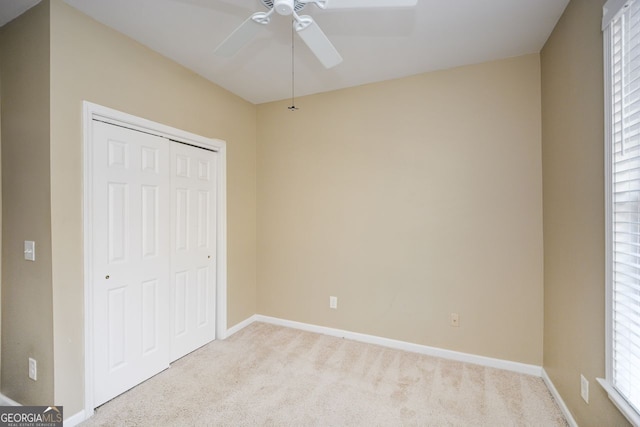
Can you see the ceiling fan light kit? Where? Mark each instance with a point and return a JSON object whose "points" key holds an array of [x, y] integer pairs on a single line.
{"points": [[305, 26]]}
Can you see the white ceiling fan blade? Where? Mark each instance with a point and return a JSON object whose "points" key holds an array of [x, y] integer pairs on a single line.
{"points": [[353, 4], [242, 35], [317, 41]]}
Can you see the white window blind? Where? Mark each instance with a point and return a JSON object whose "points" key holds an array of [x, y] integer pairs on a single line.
{"points": [[622, 51]]}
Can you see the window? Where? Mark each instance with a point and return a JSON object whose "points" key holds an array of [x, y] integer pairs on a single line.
{"points": [[621, 25]]}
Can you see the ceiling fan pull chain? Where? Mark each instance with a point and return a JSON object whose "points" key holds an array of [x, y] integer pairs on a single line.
{"points": [[293, 70]]}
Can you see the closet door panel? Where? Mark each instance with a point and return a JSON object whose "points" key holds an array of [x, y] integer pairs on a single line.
{"points": [[130, 258], [193, 225]]}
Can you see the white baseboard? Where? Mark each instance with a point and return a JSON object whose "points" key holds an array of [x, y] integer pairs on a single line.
{"points": [[240, 326], [507, 365], [554, 392], [5, 401], [74, 420]]}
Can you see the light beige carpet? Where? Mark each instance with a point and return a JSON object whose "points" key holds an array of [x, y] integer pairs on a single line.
{"points": [[275, 376]]}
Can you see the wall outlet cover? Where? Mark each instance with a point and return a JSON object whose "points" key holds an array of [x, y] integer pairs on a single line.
{"points": [[455, 320], [33, 369], [584, 388]]}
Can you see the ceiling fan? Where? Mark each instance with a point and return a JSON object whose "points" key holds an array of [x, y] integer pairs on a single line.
{"points": [[304, 25]]}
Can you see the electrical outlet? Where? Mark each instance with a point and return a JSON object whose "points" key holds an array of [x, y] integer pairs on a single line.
{"points": [[333, 303], [455, 320], [33, 369], [584, 388]]}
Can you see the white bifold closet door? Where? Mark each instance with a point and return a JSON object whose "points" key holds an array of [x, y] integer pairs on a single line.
{"points": [[153, 255]]}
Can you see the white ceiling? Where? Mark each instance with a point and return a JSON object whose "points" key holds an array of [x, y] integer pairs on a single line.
{"points": [[10, 9], [376, 45]]}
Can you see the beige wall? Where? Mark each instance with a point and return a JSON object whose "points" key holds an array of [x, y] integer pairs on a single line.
{"points": [[573, 174], [409, 200], [92, 62], [26, 286]]}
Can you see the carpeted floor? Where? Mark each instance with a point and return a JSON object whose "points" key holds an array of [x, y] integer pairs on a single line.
{"points": [[275, 376]]}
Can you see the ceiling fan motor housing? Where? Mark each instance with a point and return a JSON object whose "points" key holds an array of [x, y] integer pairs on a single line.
{"points": [[284, 7]]}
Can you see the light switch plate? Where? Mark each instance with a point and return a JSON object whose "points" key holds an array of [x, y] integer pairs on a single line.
{"points": [[333, 303], [29, 250]]}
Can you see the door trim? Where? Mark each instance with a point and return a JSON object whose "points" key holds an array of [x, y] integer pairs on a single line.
{"points": [[93, 111]]}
